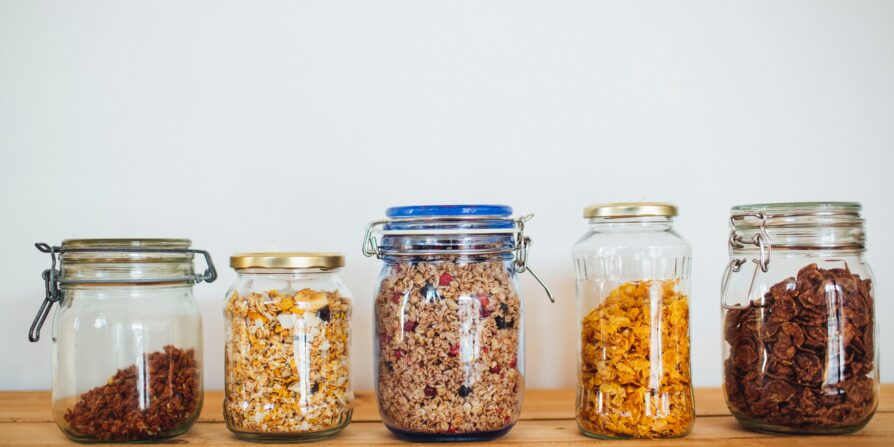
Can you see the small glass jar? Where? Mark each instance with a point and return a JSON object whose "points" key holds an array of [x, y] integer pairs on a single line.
{"points": [[127, 338], [799, 348], [288, 338], [634, 378], [449, 321]]}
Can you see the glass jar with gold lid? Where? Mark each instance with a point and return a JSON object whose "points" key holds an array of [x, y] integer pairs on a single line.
{"points": [[632, 269], [288, 337], [127, 337]]}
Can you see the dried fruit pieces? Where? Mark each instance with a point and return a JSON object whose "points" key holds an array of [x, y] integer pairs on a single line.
{"points": [[287, 365], [635, 376], [802, 357], [127, 408], [448, 365]]}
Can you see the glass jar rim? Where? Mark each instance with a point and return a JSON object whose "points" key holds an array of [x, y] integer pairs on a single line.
{"points": [[782, 209]]}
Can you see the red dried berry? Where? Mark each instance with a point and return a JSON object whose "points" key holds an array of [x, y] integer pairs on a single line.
{"points": [[514, 362], [454, 351], [451, 430], [445, 279], [396, 297], [384, 338], [495, 369], [485, 349], [398, 353], [410, 326], [430, 392], [484, 300]]}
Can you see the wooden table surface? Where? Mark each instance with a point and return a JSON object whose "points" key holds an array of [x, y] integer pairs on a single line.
{"points": [[547, 419]]}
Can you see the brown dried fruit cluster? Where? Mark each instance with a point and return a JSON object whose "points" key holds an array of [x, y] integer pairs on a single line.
{"points": [[127, 409], [448, 359], [803, 357], [287, 363], [635, 376]]}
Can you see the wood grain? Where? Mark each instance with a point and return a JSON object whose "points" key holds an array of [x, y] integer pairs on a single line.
{"points": [[547, 418]]}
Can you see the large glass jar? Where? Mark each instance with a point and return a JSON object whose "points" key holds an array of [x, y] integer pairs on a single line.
{"points": [[634, 378], [449, 321], [799, 327], [127, 338], [288, 338]]}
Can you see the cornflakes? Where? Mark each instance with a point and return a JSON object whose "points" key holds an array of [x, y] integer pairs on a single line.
{"points": [[287, 365], [635, 378]]}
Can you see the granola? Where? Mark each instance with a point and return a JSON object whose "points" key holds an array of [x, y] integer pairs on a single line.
{"points": [[803, 357], [635, 376], [287, 365], [449, 336]]}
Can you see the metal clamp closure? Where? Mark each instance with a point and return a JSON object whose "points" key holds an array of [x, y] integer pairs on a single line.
{"points": [[759, 239], [52, 282], [372, 248]]}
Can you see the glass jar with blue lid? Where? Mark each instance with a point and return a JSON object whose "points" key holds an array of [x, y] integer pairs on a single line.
{"points": [[449, 320]]}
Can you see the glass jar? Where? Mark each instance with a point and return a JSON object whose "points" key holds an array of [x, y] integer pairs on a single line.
{"points": [[449, 321], [799, 328], [127, 338], [634, 378], [288, 337]]}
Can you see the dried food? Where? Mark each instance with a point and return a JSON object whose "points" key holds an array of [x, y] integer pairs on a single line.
{"points": [[447, 365], [814, 333], [635, 376], [128, 409], [287, 366]]}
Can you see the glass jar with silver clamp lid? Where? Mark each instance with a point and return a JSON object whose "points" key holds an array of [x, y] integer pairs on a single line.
{"points": [[449, 320], [127, 337], [799, 348]]}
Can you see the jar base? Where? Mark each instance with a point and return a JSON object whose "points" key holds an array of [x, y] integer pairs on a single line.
{"points": [[286, 438], [783, 430], [450, 437]]}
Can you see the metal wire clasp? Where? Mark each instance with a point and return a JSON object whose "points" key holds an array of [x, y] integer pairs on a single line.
{"points": [[52, 282], [371, 246], [759, 239]]}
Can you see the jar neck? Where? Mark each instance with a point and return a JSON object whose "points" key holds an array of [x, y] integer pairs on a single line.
{"points": [[799, 229], [633, 224], [88, 262]]}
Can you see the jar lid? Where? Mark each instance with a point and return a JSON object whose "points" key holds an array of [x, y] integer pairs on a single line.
{"points": [[630, 209], [783, 209], [287, 260]]}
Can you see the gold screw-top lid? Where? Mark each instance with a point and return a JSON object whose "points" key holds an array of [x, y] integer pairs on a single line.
{"points": [[287, 260], [630, 209]]}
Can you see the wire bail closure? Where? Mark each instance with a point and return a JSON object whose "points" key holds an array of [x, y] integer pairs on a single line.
{"points": [[372, 248], [52, 281], [760, 239]]}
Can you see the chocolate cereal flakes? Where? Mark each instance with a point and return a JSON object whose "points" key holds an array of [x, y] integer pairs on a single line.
{"points": [[157, 399], [803, 356], [635, 378], [448, 339]]}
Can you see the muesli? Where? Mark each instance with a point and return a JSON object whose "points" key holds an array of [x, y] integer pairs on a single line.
{"points": [[448, 347], [287, 365]]}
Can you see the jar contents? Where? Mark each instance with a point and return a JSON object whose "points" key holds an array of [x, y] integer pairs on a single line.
{"points": [[287, 358], [635, 378], [449, 343], [127, 409], [803, 355]]}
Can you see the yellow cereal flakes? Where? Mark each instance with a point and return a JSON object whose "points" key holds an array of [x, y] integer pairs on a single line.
{"points": [[635, 378]]}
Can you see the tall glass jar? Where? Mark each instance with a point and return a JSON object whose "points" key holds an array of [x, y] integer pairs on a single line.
{"points": [[127, 338], [449, 321], [632, 269], [288, 339], [799, 327]]}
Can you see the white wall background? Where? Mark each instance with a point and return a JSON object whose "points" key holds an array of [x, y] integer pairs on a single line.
{"points": [[245, 124]]}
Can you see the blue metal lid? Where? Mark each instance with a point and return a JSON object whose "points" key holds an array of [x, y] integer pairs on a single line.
{"points": [[402, 212]]}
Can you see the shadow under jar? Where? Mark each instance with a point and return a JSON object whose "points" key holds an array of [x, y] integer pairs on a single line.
{"points": [[799, 327], [127, 338], [634, 374], [449, 321], [288, 339]]}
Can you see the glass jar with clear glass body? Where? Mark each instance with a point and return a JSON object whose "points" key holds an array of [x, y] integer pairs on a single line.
{"points": [[288, 338], [799, 327], [634, 378], [127, 338], [449, 321]]}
